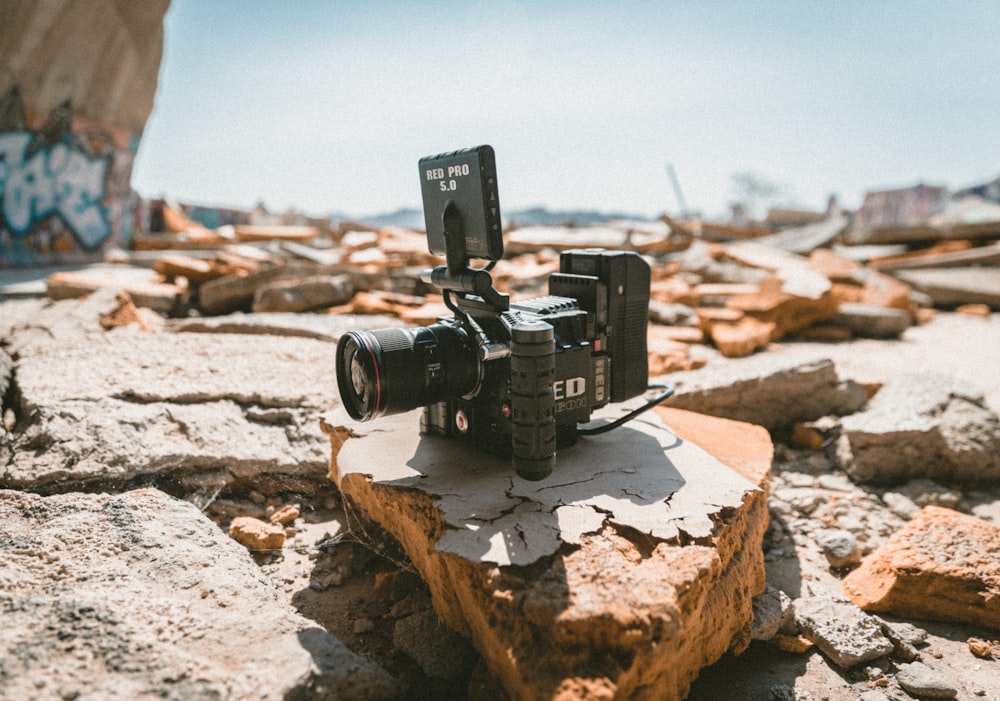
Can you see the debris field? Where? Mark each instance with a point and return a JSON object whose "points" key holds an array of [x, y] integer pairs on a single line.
{"points": [[815, 514]]}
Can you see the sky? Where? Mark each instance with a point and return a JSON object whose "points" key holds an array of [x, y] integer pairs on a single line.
{"points": [[326, 106]]}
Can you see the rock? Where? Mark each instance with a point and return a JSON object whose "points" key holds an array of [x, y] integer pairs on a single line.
{"points": [[840, 548], [841, 630], [256, 534], [122, 596], [437, 649], [742, 337], [873, 695], [304, 294], [285, 515], [772, 610], [608, 577], [6, 375], [905, 637], [939, 566], [980, 648], [121, 404], [872, 321], [768, 390], [921, 426], [794, 644], [920, 680]]}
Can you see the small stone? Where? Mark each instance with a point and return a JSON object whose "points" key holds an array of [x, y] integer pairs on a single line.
{"points": [[840, 548], [256, 534], [873, 673], [363, 625], [980, 648], [795, 644], [285, 515], [919, 679], [770, 611], [786, 692], [873, 695], [844, 633], [900, 505]]}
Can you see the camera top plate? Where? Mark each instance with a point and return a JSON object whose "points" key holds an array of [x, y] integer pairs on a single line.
{"points": [[467, 181]]}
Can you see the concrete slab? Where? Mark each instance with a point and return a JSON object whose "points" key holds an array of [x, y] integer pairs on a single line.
{"points": [[953, 286], [621, 575]]}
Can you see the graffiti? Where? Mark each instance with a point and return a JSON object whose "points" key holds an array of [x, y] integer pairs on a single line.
{"points": [[64, 185], [52, 180]]}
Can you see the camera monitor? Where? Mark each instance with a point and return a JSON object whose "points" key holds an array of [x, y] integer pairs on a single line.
{"points": [[461, 204]]}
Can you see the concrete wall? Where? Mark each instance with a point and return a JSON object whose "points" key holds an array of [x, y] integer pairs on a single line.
{"points": [[77, 82]]}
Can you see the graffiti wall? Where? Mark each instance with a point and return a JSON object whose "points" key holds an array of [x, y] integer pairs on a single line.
{"points": [[77, 84], [64, 186]]}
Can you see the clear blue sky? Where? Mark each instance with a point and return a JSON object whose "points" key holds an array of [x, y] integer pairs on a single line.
{"points": [[327, 106]]}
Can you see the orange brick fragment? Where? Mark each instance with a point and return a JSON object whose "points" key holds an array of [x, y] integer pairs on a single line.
{"points": [[974, 309], [742, 338], [256, 534]]}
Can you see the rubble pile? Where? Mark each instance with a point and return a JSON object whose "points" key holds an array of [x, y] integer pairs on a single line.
{"points": [[813, 515], [734, 289]]}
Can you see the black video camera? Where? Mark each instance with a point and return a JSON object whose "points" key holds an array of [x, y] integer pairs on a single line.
{"points": [[513, 378]]}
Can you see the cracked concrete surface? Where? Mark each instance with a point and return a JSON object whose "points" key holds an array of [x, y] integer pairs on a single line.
{"points": [[646, 479]]}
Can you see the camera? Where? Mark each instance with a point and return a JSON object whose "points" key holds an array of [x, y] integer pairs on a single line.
{"points": [[514, 378]]}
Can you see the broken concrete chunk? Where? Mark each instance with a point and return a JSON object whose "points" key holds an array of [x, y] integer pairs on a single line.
{"points": [[922, 426], [121, 596], [120, 404], [626, 561], [300, 295], [844, 633], [767, 390], [939, 566]]}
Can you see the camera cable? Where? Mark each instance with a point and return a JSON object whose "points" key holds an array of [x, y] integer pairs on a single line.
{"points": [[668, 391]]}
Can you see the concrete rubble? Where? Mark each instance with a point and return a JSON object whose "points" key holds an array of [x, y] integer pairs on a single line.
{"points": [[454, 578], [942, 563]]}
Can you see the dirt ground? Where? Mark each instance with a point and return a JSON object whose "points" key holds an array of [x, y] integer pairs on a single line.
{"points": [[359, 586]]}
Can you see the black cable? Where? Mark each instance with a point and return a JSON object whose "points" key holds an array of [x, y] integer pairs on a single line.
{"points": [[604, 428]]}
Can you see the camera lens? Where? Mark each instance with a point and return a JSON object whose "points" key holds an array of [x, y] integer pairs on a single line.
{"points": [[390, 371]]}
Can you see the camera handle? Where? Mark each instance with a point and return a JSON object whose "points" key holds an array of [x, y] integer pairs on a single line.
{"points": [[532, 371], [458, 277]]}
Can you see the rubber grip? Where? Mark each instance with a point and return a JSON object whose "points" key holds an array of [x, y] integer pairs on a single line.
{"points": [[532, 372]]}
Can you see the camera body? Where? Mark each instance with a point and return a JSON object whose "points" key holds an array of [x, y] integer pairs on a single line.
{"points": [[512, 378]]}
